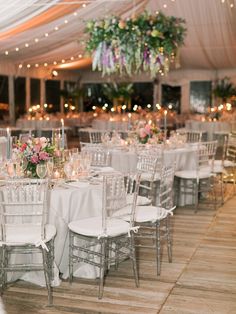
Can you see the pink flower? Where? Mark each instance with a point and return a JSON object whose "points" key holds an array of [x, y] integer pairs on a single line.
{"points": [[34, 159], [37, 148], [43, 156], [148, 129]]}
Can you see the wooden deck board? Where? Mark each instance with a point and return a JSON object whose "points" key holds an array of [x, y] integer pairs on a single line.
{"points": [[200, 280]]}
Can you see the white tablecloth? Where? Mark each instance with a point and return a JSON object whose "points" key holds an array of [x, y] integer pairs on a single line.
{"points": [[125, 161], [110, 125], [209, 127], [68, 204], [38, 124]]}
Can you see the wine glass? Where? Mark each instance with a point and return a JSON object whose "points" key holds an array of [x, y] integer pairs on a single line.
{"points": [[23, 163], [41, 170], [68, 169], [11, 168], [50, 166]]}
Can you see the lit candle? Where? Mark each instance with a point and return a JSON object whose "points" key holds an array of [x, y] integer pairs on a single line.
{"points": [[8, 143], [62, 134], [56, 174], [129, 120], [165, 123]]}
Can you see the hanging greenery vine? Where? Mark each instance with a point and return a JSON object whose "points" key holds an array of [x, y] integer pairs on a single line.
{"points": [[144, 43]]}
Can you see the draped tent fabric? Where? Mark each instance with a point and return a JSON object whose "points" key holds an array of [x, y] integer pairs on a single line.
{"points": [[210, 42]]}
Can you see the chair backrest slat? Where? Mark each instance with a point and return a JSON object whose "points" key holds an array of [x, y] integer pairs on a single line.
{"points": [[23, 203]]}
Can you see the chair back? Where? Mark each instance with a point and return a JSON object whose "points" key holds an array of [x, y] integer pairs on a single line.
{"points": [[3, 132], [166, 196], [24, 137], [95, 136], [231, 149], [206, 154], [23, 205], [100, 157], [3, 147], [194, 136], [115, 189], [150, 161], [149, 164]]}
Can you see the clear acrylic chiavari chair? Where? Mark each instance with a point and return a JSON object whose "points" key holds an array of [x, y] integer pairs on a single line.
{"points": [[105, 240], [24, 230]]}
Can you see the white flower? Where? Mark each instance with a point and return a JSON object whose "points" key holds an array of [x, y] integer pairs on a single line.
{"points": [[43, 142]]}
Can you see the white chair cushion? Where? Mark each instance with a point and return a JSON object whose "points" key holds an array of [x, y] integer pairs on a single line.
{"points": [[193, 174], [229, 163], [28, 235], [149, 213], [141, 200], [226, 163], [92, 227], [145, 214], [148, 177]]}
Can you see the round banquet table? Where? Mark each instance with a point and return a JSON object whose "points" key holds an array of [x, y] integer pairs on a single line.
{"points": [[68, 204], [210, 127], [110, 125], [126, 161]]}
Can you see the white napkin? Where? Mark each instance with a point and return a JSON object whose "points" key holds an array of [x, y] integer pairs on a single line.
{"points": [[77, 184]]}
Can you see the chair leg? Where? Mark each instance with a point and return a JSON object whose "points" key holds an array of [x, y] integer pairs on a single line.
{"points": [[47, 277], [50, 258], [71, 240], [196, 194], [169, 243], [2, 271], [4, 263], [134, 259], [158, 247], [102, 266]]}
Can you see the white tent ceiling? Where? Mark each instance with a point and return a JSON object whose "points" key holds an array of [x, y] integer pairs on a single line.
{"points": [[45, 32]]}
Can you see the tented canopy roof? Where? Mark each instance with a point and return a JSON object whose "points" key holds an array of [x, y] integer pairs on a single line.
{"points": [[45, 32]]}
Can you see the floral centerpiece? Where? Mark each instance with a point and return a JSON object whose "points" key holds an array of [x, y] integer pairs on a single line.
{"points": [[34, 151], [142, 43], [148, 133]]}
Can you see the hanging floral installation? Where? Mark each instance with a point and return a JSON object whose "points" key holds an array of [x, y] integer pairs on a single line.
{"points": [[143, 43]]}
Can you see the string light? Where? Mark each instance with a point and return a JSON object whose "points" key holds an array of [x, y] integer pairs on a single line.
{"points": [[45, 35]]}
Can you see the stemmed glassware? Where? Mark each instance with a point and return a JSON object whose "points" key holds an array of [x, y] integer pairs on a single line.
{"points": [[41, 170], [50, 166], [68, 169]]}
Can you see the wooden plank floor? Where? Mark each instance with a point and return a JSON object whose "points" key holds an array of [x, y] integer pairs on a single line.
{"points": [[201, 279]]}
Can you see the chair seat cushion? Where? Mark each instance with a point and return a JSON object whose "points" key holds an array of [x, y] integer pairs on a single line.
{"points": [[144, 213], [229, 163], [141, 200], [145, 176], [92, 227], [150, 213], [193, 174], [28, 235]]}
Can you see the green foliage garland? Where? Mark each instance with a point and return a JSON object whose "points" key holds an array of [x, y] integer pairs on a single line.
{"points": [[144, 43]]}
